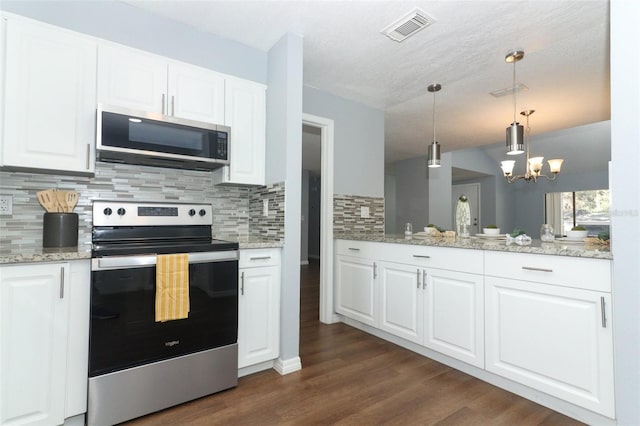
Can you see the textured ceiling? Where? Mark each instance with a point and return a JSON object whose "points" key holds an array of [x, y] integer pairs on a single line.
{"points": [[566, 63]]}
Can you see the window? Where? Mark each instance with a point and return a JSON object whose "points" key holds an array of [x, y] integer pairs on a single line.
{"points": [[590, 209]]}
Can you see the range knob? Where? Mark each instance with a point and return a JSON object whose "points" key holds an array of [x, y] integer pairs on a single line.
{"points": [[107, 211], [192, 212], [121, 211], [202, 212]]}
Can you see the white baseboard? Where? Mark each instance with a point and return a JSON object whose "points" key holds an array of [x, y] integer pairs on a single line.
{"points": [[256, 368], [286, 366], [304, 262]]}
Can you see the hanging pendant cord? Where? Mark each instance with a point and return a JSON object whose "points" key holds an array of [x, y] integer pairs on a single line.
{"points": [[434, 117], [514, 90]]}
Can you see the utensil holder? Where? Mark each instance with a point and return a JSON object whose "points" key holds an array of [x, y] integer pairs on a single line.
{"points": [[60, 230]]}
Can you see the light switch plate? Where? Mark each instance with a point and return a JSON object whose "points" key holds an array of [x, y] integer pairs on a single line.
{"points": [[6, 204], [364, 212], [265, 207]]}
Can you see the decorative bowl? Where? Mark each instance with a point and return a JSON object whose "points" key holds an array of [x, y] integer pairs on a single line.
{"points": [[491, 231], [577, 235]]}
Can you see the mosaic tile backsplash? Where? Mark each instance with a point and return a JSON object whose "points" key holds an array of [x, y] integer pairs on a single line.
{"points": [[270, 226], [346, 215], [231, 204]]}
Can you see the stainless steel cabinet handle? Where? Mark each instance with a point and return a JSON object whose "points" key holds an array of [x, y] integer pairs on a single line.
{"points": [[62, 282], [163, 104], [375, 270], [260, 258], [421, 256], [529, 268], [88, 156], [602, 313], [173, 105], [424, 279], [418, 277], [353, 249], [242, 284]]}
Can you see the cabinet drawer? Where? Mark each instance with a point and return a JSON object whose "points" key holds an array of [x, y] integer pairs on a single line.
{"points": [[461, 260], [252, 258], [361, 249], [576, 272]]}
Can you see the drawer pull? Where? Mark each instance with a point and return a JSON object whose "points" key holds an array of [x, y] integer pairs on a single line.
{"points": [[242, 284], [602, 313], [418, 277], [260, 258], [62, 283], [530, 268], [375, 270], [422, 256], [424, 279], [353, 249]]}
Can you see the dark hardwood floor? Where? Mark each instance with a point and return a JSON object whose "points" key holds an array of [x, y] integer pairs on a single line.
{"points": [[351, 378]]}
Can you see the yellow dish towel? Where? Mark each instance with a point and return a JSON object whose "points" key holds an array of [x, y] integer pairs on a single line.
{"points": [[172, 287]]}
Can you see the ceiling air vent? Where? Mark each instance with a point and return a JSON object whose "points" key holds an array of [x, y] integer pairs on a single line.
{"points": [[408, 25]]}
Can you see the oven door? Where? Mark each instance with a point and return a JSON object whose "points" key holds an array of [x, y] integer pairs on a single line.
{"points": [[123, 331]]}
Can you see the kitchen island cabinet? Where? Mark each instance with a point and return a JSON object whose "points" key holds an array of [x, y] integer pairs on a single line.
{"points": [[535, 324], [44, 342], [49, 99], [258, 306]]}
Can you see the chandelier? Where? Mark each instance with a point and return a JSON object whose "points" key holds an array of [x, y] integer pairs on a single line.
{"points": [[533, 165]]}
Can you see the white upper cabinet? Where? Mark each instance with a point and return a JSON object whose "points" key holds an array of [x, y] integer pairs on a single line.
{"points": [[131, 79], [245, 113], [145, 82], [49, 98]]}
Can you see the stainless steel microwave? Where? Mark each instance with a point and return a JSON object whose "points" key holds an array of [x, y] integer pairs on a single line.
{"points": [[153, 139]]}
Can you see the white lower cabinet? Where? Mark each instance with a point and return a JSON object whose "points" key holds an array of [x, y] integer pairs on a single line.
{"points": [[356, 293], [44, 327], [454, 315], [552, 338], [258, 306], [442, 310]]}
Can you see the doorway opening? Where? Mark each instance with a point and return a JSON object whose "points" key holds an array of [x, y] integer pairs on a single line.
{"points": [[325, 127]]}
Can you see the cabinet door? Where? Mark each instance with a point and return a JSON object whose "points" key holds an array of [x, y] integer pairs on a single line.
{"points": [[356, 295], [131, 79], [554, 339], [50, 99], [258, 315], [245, 114], [454, 315], [33, 343], [196, 94], [401, 300]]}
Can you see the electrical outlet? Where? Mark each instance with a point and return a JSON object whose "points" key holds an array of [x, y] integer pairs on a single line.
{"points": [[265, 207], [6, 204], [364, 212]]}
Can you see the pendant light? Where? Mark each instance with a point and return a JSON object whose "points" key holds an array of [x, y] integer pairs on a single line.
{"points": [[433, 156], [515, 132]]}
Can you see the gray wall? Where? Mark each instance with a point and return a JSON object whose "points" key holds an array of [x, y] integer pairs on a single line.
{"points": [[440, 193], [358, 142], [411, 194], [122, 23], [314, 215], [625, 184], [390, 209], [284, 163]]}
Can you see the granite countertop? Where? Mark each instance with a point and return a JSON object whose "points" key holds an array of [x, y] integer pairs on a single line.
{"points": [[555, 248], [31, 254]]}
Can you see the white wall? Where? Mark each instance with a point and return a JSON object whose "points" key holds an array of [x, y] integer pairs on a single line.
{"points": [[625, 187], [358, 142], [122, 23], [284, 163]]}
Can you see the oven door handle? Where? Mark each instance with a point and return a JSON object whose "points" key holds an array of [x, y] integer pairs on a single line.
{"points": [[123, 262]]}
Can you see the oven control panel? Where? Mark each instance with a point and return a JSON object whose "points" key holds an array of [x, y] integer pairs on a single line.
{"points": [[125, 213]]}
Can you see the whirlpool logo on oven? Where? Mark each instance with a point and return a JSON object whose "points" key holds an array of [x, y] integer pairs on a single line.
{"points": [[172, 343]]}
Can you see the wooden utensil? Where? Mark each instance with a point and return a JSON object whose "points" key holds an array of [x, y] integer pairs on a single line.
{"points": [[72, 200], [62, 200], [48, 200]]}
